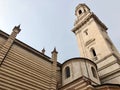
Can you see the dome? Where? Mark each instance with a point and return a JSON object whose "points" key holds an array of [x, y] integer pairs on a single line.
{"points": [[75, 68]]}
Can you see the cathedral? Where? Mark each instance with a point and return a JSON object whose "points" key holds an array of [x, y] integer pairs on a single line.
{"points": [[98, 68]]}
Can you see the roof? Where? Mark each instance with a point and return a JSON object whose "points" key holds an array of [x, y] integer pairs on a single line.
{"points": [[79, 58], [27, 47]]}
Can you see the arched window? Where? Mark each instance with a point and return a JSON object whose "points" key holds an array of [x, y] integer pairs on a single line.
{"points": [[93, 52], [94, 72], [67, 72], [80, 12]]}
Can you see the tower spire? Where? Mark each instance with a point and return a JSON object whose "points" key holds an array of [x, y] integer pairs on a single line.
{"points": [[54, 50], [43, 51]]}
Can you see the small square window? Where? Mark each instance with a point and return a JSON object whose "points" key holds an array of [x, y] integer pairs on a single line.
{"points": [[86, 32]]}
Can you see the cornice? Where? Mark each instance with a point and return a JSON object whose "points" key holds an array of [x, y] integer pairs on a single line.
{"points": [[91, 15], [109, 74], [107, 65], [82, 78], [79, 58], [107, 85], [27, 47], [5, 35]]}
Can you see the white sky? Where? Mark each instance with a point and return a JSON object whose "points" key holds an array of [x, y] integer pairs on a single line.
{"points": [[48, 23]]}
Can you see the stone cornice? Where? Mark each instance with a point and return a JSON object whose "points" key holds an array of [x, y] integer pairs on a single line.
{"points": [[80, 58], [27, 47], [110, 73], [3, 34], [91, 15], [82, 78], [23, 45], [107, 86], [98, 61]]}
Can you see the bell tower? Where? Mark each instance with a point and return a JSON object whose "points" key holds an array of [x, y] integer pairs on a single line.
{"points": [[95, 44]]}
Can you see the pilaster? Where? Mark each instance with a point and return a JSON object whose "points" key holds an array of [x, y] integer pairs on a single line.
{"points": [[54, 70], [8, 44]]}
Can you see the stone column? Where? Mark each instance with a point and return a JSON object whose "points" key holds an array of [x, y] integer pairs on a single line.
{"points": [[54, 70], [6, 47]]}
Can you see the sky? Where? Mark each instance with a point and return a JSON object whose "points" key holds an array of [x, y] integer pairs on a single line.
{"points": [[48, 23]]}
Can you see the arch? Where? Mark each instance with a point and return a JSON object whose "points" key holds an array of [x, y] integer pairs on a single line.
{"points": [[67, 72], [93, 53], [80, 12], [94, 72]]}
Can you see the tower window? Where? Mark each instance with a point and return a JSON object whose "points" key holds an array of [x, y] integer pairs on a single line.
{"points": [[67, 72], [94, 72], [80, 12], [86, 32], [93, 52]]}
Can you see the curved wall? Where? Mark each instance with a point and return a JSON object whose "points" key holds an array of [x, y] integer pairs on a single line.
{"points": [[79, 67]]}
